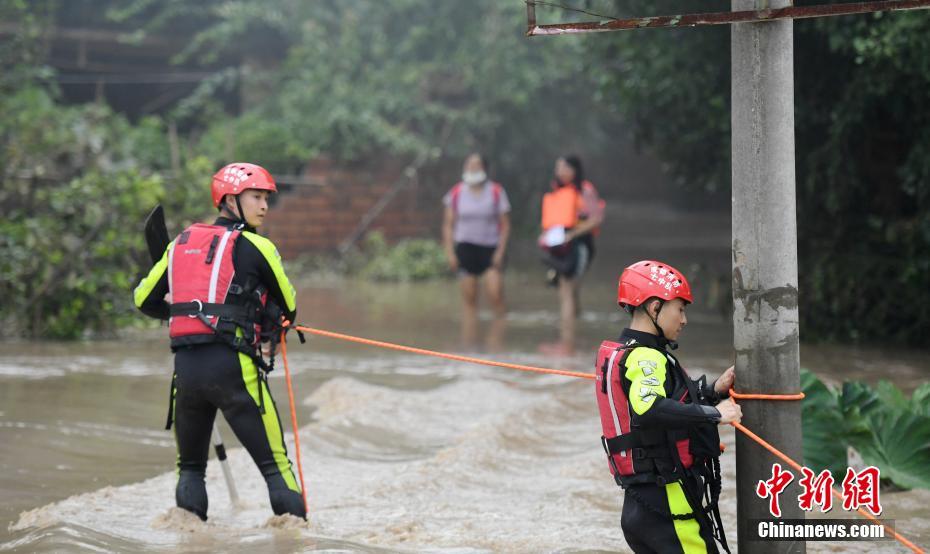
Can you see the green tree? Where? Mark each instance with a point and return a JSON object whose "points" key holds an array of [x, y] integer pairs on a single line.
{"points": [[366, 80], [358, 82], [75, 184], [863, 151]]}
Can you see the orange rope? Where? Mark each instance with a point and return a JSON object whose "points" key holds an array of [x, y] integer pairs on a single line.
{"points": [[736, 396], [739, 396], [290, 396], [433, 353]]}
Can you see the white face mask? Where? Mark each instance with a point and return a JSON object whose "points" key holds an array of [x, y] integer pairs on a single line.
{"points": [[474, 177]]}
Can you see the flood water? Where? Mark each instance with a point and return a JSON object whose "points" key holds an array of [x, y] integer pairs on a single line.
{"points": [[400, 452]]}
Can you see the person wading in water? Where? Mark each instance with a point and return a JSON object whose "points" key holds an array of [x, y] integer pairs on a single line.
{"points": [[226, 292]]}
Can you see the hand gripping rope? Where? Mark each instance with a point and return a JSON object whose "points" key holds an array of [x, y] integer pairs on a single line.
{"points": [[424, 352]]}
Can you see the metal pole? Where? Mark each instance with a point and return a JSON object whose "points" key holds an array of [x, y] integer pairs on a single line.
{"points": [[227, 473], [765, 261], [767, 13]]}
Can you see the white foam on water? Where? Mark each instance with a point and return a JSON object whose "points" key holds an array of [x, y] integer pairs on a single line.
{"points": [[29, 370], [471, 465], [47, 367]]}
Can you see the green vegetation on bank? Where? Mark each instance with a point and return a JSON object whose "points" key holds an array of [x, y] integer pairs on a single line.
{"points": [[889, 430], [364, 81], [77, 184], [408, 260]]}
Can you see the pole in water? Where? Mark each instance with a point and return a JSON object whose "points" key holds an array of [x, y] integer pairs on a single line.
{"points": [[224, 464], [765, 262]]}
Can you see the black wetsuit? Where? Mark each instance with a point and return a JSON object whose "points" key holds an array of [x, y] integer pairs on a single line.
{"points": [[211, 376], [646, 522]]}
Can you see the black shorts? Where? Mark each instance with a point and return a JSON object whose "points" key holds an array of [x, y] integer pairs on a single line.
{"points": [[571, 260], [474, 259]]}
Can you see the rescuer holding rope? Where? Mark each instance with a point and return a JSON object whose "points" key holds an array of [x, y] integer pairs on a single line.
{"points": [[660, 426], [224, 284]]}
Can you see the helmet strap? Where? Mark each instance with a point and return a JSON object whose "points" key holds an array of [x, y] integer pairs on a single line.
{"points": [[655, 321], [240, 218], [239, 207]]}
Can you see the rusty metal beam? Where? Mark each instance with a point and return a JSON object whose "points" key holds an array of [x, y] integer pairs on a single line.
{"points": [[717, 18]]}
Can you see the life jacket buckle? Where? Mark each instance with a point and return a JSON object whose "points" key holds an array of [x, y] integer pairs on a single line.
{"points": [[199, 309]]}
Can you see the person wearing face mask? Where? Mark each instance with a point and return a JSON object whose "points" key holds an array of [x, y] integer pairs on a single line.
{"points": [[475, 232], [572, 212]]}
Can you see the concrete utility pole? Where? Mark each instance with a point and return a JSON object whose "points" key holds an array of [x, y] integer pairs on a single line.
{"points": [[765, 260]]}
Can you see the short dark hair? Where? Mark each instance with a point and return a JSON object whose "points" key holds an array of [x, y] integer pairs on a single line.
{"points": [[642, 307]]}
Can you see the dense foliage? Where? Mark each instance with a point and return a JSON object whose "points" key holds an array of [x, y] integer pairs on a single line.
{"points": [[408, 260], [77, 183], [863, 150], [361, 81]]}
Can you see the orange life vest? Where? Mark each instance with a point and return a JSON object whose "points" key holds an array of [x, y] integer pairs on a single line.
{"points": [[560, 208]]}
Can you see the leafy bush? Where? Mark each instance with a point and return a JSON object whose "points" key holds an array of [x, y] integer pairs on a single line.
{"points": [[77, 183], [889, 430], [408, 260], [71, 268]]}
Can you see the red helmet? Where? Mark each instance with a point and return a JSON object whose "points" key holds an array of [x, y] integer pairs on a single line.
{"points": [[237, 177], [650, 279]]}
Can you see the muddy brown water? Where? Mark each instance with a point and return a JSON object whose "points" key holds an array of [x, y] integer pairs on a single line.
{"points": [[400, 452]]}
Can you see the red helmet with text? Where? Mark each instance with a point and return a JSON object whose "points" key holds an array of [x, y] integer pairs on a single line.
{"points": [[239, 176], [651, 279]]}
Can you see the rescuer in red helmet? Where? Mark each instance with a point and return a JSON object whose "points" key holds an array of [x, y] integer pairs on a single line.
{"points": [[660, 426], [227, 293]]}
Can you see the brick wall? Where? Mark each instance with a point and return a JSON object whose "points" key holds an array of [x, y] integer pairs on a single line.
{"points": [[316, 215]]}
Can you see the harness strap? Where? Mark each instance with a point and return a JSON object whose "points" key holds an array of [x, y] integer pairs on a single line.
{"points": [[618, 444], [634, 494], [237, 344], [710, 519], [262, 383], [170, 420], [707, 514], [643, 441], [208, 308], [212, 252]]}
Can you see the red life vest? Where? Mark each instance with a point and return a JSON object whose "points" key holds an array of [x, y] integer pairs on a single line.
{"points": [[200, 274], [657, 456], [634, 455]]}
